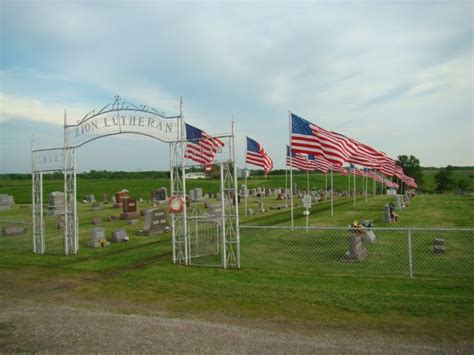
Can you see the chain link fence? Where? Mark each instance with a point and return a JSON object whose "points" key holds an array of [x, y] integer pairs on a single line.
{"points": [[410, 252]]}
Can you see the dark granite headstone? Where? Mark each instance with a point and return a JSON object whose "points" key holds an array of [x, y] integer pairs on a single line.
{"points": [[119, 197], [129, 208]]}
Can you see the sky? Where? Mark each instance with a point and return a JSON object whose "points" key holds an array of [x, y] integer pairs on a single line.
{"points": [[395, 75]]}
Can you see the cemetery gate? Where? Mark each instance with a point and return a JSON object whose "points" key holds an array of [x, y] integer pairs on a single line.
{"points": [[199, 237]]}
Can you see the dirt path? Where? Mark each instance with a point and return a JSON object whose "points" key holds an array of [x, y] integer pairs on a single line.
{"points": [[27, 326]]}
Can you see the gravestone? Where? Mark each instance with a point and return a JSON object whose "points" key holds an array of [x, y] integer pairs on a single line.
{"points": [[369, 236], [119, 236], [387, 217], [156, 222], [261, 209], [12, 230], [6, 202], [98, 238], [243, 191], [129, 208], [250, 212], [259, 192], [104, 196], [439, 246], [357, 251], [160, 194], [267, 192], [399, 202], [196, 194], [55, 203], [96, 221], [215, 210], [89, 198], [119, 197]]}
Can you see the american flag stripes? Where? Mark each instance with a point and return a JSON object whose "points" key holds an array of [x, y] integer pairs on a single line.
{"points": [[366, 156], [309, 138], [298, 160], [320, 163], [201, 147], [256, 155]]}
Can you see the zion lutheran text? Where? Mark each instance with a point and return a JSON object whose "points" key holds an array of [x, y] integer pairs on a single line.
{"points": [[127, 121]]}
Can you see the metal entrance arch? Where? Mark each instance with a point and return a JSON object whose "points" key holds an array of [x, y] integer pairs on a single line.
{"points": [[119, 117]]}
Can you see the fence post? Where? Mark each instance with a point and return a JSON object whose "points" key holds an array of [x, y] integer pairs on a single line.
{"points": [[410, 256]]}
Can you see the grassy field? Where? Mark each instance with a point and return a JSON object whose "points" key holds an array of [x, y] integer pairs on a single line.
{"points": [[277, 293]]}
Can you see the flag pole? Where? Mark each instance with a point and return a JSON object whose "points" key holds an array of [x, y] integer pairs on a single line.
{"points": [[374, 184], [307, 182], [291, 171], [366, 184], [286, 181], [246, 191], [332, 196], [355, 189], [349, 182]]}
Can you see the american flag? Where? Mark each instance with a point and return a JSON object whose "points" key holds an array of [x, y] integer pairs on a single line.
{"points": [[256, 155], [308, 138], [201, 147], [389, 166], [367, 156], [298, 160], [354, 171], [320, 163]]}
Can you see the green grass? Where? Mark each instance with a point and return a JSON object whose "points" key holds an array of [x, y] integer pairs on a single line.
{"points": [[294, 281]]}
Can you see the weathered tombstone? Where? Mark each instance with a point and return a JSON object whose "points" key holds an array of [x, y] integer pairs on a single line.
{"points": [[215, 210], [196, 194], [104, 197], [55, 203], [387, 217], [357, 251], [243, 191], [267, 192], [89, 198], [98, 238], [253, 192], [399, 202], [129, 208], [250, 212], [6, 202], [439, 246], [119, 197], [119, 236], [13, 229], [261, 209], [96, 221], [156, 222], [259, 192], [369, 236]]}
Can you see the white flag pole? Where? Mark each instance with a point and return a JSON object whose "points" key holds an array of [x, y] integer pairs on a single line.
{"points": [[245, 173], [355, 189], [291, 170], [286, 179], [332, 196]]}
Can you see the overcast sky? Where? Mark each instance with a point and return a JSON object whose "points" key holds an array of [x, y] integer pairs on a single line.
{"points": [[395, 75]]}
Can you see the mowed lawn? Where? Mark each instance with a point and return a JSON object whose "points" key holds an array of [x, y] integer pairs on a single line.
{"points": [[138, 276]]}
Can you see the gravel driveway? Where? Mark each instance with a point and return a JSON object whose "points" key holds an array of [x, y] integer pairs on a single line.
{"points": [[28, 326]]}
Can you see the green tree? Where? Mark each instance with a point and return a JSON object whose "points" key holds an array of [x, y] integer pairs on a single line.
{"points": [[411, 167], [444, 180], [462, 185]]}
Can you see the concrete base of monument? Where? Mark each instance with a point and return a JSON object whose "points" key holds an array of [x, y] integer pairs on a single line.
{"points": [[130, 215]]}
